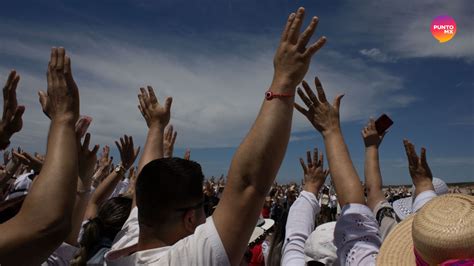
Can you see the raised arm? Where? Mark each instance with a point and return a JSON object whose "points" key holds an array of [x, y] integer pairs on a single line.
{"points": [[12, 112], [420, 172], [373, 176], [45, 217], [156, 117], [303, 212], [87, 160], [325, 118], [356, 235], [127, 155], [258, 158]]}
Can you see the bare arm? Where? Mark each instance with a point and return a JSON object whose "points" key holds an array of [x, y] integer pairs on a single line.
{"points": [[373, 176], [258, 158], [420, 172], [87, 160], [45, 217], [156, 117], [128, 155], [325, 118]]}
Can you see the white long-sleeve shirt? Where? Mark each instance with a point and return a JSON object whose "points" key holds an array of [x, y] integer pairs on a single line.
{"points": [[357, 236], [300, 224], [422, 199]]}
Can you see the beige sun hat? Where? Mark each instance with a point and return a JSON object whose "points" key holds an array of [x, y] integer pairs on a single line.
{"points": [[442, 230]]}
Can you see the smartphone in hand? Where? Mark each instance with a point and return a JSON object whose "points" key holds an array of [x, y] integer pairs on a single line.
{"points": [[383, 123]]}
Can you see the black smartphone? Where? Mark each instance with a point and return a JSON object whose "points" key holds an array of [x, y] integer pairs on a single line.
{"points": [[383, 123]]}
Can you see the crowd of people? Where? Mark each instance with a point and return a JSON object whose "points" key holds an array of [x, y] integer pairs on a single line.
{"points": [[71, 206]]}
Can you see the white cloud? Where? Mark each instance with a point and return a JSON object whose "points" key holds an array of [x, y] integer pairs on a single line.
{"points": [[216, 95], [402, 27], [377, 55]]}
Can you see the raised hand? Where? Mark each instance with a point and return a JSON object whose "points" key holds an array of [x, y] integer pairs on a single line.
{"points": [[61, 101], [314, 173], [292, 58], [322, 115], [103, 166], [127, 153], [420, 172], [82, 125], [87, 159], [371, 136], [168, 141], [12, 112], [154, 113]]}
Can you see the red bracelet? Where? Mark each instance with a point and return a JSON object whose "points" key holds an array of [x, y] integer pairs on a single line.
{"points": [[270, 95]]}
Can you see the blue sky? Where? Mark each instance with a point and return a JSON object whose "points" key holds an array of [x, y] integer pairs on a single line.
{"points": [[215, 59]]}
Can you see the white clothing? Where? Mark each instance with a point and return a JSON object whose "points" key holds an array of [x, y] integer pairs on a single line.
{"points": [[61, 256], [128, 236], [357, 236], [300, 224], [204, 247]]}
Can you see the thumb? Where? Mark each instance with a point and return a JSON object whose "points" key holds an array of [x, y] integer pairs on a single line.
{"points": [[168, 103], [337, 101], [43, 99]]}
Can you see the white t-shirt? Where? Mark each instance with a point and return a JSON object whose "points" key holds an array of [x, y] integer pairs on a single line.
{"points": [[61, 256], [128, 236], [204, 247]]}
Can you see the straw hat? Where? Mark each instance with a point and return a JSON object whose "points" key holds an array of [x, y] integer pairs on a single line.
{"points": [[442, 230]]}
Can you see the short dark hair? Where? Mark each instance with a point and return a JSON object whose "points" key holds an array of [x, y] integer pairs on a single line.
{"points": [[166, 185]]}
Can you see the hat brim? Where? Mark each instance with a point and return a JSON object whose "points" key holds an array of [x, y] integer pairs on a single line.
{"points": [[257, 234], [403, 207], [268, 224], [397, 248]]}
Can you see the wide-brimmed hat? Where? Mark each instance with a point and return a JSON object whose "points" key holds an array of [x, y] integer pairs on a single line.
{"points": [[442, 231], [404, 206], [260, 231]]}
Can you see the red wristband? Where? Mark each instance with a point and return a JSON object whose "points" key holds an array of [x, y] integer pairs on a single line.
{"points": [[270, 95]]}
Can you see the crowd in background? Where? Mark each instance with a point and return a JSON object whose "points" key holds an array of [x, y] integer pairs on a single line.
{"points": [[72, 206]]}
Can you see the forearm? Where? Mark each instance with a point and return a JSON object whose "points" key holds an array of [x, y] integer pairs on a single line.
{"points": [[259, 157], [47, 209], [153, 147], [55, 186], [373, 176], [82, 200], [343, 173], [102, 193], [252, 172]]}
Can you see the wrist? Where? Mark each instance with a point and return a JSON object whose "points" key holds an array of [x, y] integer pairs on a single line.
{"points": [[282, 85], [312, 188], [67, 120], [330, 132], [156, 125], [371, 148]]}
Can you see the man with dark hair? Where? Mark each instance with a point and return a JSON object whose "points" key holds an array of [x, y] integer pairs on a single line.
{"points": [[167, 189], [172, 229]]}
